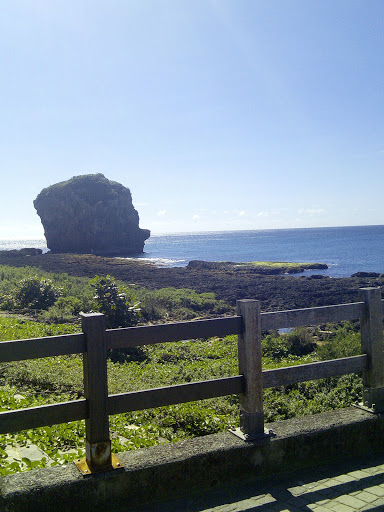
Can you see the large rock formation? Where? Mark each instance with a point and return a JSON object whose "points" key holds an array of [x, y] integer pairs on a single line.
{"points": [[90, 214]]}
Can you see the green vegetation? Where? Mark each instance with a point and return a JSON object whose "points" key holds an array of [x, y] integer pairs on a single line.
{"points": [[57, 379], [49, 380], [72, 294], [261, 267], [285, 266], [36, 293], [119, 301], [118, 310]]}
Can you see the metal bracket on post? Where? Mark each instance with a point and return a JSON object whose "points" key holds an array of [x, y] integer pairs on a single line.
{"points": [[250, 365], [98, 456], [371, 325], [255, 436], [86, 470], [373, 400]]}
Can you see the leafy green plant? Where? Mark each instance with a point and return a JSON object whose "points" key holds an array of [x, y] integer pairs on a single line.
{"points": [[8, 303], [345, 342], [36, 293], [275, 347], [118, 310], [65, 310], [300, 342], [180, 303]]}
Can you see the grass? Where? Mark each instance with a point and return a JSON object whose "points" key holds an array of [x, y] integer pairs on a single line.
{"points": [[162, 305], [282, 267], [280, 264]]}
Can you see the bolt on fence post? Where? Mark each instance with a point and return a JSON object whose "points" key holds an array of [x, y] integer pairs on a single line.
{"points": [[98, 444], [250, 365], [371, 325]]}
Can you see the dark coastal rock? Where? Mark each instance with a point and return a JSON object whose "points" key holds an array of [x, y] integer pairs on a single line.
{"points": [[30, 251], [272, 268], [308, 266], [90, 214], [366, 274], [210, 265], [27, 251]]}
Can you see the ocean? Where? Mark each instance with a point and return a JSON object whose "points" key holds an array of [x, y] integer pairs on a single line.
{"points": [[345, 250]]}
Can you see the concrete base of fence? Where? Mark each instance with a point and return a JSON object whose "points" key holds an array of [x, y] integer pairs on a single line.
{"points": [[172, 470]]}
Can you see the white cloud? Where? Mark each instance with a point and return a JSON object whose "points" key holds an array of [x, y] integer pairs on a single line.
{"points": [[161, 213], [238, 213], [195, 217]]}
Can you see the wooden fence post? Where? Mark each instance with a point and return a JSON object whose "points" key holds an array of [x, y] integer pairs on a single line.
{"points": [[97, 441], [372, 344], [250, 365]]}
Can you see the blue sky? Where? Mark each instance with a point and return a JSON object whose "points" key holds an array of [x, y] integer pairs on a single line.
{"points": [[217, 114]]}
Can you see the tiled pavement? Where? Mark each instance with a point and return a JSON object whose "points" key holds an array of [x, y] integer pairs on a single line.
{"points": [[347, 487]]}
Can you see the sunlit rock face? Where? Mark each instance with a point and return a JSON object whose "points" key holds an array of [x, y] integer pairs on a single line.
{"points": [[90, 214]]}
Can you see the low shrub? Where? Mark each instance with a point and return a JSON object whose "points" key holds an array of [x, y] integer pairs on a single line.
{"points": [[65, 310], [300, 342], [275, 347], [346, 342], [117, 308], [36, 293]]}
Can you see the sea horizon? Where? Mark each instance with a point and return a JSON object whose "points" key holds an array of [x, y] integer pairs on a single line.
{"points": [[175, 233], [345, 249]]}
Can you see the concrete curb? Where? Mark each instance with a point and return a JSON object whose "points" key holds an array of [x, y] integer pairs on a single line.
{"points": [[170, 471]]}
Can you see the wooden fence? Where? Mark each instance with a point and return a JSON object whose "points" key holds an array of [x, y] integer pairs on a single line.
{"points": [[248, 324]]}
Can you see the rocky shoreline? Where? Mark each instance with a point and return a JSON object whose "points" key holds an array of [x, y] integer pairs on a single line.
{"points": [[229, 283], [257, 267]]}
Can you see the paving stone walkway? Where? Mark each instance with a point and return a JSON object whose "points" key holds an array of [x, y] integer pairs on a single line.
{"points": [[348, 487]]}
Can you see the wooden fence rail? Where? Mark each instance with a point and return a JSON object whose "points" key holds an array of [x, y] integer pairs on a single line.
{"points": [[248, 324]]}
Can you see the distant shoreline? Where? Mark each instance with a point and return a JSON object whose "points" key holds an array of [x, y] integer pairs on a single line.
{"points": [[345, 250], [275, 292]]}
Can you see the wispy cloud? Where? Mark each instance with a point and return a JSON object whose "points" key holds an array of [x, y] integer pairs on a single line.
{"points": [[237, 212], [270, 213], [161, 213]]}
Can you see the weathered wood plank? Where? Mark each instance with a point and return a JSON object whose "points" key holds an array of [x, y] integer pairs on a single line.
{"points": [[250, 358], [310, 316], [372, 336], [313, 371], [97, 441], [42, 416], [372, 344], [42, 347], [169, 395], [151, 334]]}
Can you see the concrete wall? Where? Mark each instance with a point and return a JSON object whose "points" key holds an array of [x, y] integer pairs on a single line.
{"points": [[172, 470]]}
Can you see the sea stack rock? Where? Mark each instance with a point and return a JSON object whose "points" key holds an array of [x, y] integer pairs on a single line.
{"points": [[90, 214]]}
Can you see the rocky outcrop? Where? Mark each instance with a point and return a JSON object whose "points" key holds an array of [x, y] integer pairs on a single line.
{"points": [[27, 251], [90, 214], [263, 268]]}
